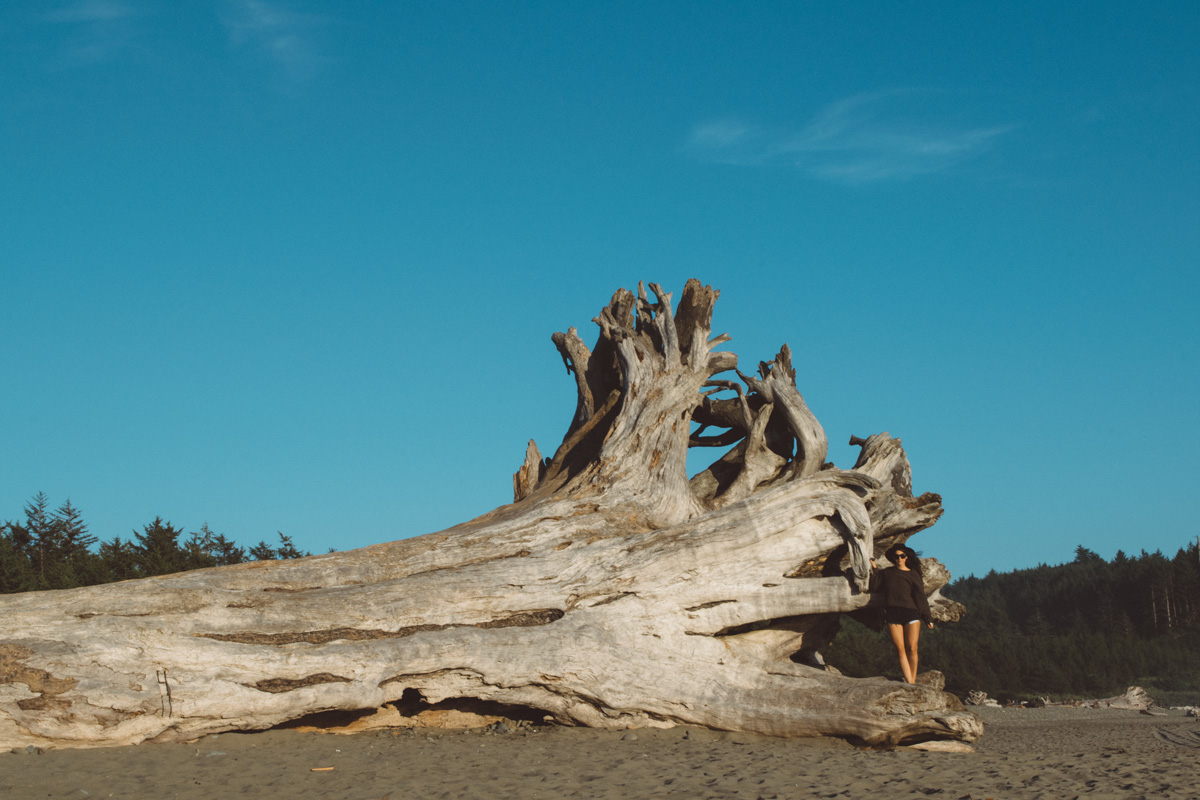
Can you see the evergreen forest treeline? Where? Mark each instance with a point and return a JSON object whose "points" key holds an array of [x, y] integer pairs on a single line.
{"points": [[52, 549], [1087, 629]]}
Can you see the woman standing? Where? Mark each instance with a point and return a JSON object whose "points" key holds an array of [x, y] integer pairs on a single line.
{"points": [[904, 605]]}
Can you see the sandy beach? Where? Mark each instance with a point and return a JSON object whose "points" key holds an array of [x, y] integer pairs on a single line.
{"points": [[1051, 753]]}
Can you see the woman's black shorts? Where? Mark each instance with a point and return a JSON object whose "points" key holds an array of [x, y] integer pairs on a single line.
{"points": [[897, 615]]}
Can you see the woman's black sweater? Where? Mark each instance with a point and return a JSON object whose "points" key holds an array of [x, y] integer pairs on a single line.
{"points": [[902, 588]]}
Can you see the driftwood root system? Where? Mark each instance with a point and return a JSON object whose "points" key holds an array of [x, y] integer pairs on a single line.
{"points": [[614, 591]]}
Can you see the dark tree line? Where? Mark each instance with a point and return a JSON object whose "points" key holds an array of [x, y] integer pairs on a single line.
{"points": [[53, 549], [1089, 628]]}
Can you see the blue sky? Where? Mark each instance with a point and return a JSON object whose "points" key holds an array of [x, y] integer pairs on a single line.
{"points": [[294, 266]]}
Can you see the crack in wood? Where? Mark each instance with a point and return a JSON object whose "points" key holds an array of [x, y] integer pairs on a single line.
{"points": [[164, 691], [825, 565], [612, 599], [779, 623], [523, 619], [417, 677], [471, 563], [278, 685], [711, 604]]}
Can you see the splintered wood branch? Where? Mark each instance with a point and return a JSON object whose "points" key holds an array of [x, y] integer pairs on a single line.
{"points": [[777, 384], [693, 321], [555, 467], [661, 318], [526, 479], [613, 592], [577, 358], [721, 361], [722, 411], [759, 464]]}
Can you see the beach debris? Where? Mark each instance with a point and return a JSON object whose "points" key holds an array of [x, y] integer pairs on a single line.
{"points": [[321, 769], [1135, 697], [28, 750], [978, 698], [942, 746], [615, 591]]}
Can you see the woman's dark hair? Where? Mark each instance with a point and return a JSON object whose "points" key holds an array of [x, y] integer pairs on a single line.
{"points": [[910, 557]]}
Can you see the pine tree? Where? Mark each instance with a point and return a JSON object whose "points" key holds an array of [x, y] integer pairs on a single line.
{"points": [[287, 549], [79, 565], [119, 561], [157, 550], [16, 573], [46, 540], [262, 552], [226, 552], [198, 549]]}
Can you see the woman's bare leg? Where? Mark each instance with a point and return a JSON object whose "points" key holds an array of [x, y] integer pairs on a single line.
{"points": [[899, 639], [912, 632]]}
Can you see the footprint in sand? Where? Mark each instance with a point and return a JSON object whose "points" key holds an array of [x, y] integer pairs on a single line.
{"points": [[1180, 737]]}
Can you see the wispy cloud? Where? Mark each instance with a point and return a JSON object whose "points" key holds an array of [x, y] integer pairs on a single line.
{"points": [[860, 139], [282, 35], [93, 31]]}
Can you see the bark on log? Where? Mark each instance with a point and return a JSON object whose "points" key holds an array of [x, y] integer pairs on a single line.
{"points": [[613, 592]]}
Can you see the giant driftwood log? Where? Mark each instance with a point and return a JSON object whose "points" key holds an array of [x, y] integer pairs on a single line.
{"points": [[613, 592]]}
